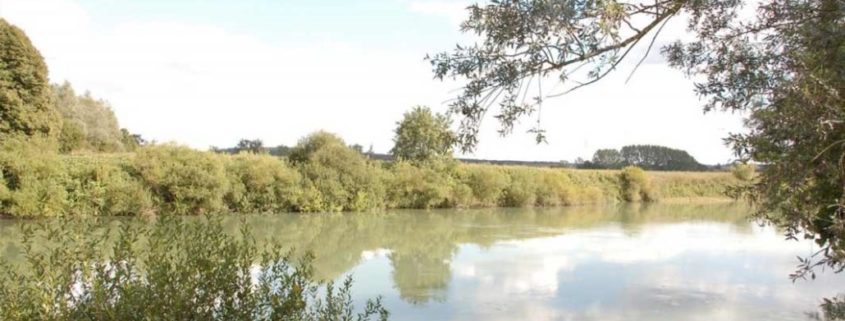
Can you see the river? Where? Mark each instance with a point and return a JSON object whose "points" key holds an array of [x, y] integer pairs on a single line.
{"points": [[634, 262]]}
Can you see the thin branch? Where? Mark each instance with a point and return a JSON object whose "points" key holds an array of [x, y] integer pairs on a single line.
{"points": [[620, 45], [648, 50], [599, 77]]}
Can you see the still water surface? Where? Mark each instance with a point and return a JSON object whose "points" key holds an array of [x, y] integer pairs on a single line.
{"points": [[659, 262]]}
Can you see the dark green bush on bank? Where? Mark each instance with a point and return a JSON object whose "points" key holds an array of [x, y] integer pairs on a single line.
{"points": [[429, 184], [487, 183], [261, 183], [103, 186], [168, 270], [182, 180], [343, 179], [33, 180]]}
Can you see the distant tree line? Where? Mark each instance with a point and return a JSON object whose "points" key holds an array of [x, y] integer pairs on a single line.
{"points": [[256, 146], [649, 157]]}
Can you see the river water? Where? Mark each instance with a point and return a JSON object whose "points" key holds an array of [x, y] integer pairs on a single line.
{"points": [[658, 262]]}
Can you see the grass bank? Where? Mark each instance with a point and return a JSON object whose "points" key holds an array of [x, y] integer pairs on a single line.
{"points": [[321, 175]]}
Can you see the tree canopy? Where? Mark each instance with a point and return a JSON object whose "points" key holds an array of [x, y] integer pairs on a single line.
{"points": [[422, 135], [25, 107], [783, 66], [89, 123], [650, 157], [608, 158], [255, 146], [659, 158]]}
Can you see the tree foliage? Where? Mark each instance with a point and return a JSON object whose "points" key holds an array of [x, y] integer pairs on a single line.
{"points": [[255, 146], [607, 158], [183, 181], [25, 107], [422, 135], [89, 123], [525, 40], [33, 177], [343, 178], [784, 66], [652, 157]]}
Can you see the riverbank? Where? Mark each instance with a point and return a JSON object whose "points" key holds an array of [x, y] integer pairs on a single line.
{"points": [[175, 180]]}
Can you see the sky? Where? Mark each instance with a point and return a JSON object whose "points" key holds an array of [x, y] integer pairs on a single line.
{"points": [[210, 72]]}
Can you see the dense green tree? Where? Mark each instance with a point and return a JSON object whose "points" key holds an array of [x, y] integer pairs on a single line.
{"points": [[25, 107], [783, 66], [337, 178], [89, 118], [607, 158], [422, 135]]}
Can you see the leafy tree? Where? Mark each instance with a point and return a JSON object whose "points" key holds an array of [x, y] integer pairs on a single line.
{"points": [[92, 119], [25, 107], [422, 135], [337, 178], [784, 67], [655, 157], [608, 158], [255, 146]]}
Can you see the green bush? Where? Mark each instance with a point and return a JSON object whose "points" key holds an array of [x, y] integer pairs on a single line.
{"points": [[554, 188], [486, 182], [183, 181], [522, 189], [424, 186], [101, 185], [33, 178], [345, 179], [635, 185], [181, 271], [261, 183]]}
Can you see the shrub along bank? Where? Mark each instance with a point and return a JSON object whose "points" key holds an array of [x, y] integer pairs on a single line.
{"points": [[321, 175]]}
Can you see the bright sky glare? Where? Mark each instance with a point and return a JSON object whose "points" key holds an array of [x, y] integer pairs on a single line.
{"points": [[209, 72]]}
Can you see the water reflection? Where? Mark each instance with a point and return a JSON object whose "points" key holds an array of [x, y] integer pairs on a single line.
{"points": [[659, 262]]}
